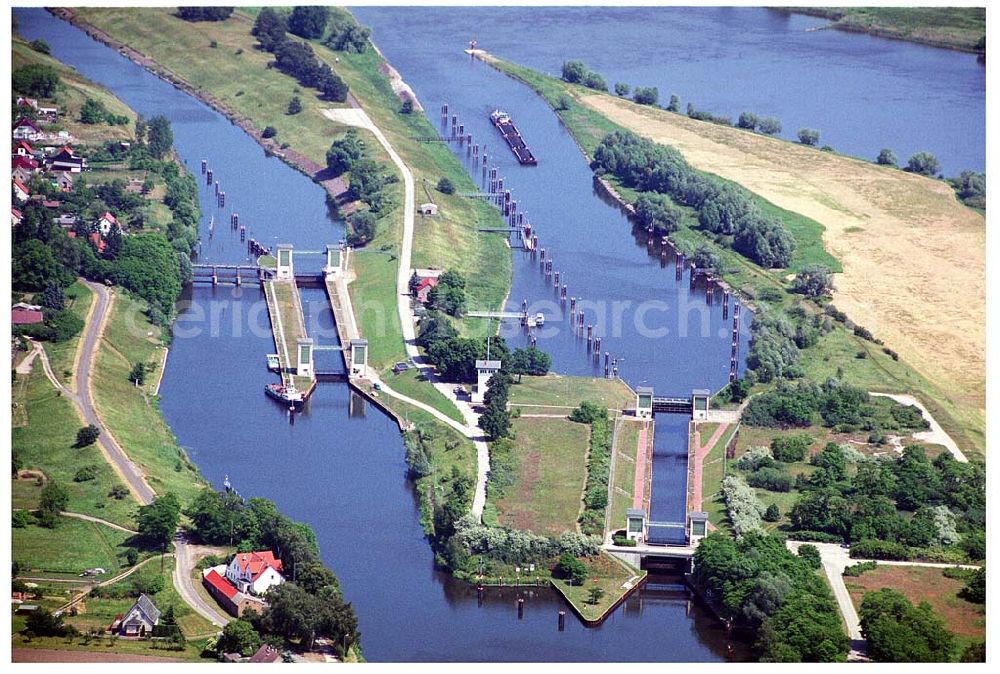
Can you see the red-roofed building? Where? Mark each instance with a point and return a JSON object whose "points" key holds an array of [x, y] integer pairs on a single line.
{"points": [[65, 160], [229, 598], [423, 289], [22, 149], [21, 192], [24, 163], [107, 223], [255, 572], [25, 129], [15, 217], [19, 316]]}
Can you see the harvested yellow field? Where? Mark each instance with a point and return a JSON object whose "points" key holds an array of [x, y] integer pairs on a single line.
{"points": [[914, 258]]}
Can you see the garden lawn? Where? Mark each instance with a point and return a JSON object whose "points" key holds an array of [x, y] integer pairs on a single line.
{"points": [[413, 383], [46, 444], [606, 573], [967, 621], [625, 449], [551, 455]]}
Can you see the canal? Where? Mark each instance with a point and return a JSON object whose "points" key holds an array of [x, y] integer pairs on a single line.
{"points": [[340, 466]]}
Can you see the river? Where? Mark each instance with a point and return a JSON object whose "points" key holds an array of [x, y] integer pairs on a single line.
{"points": [[339, 467], [863, 93]]}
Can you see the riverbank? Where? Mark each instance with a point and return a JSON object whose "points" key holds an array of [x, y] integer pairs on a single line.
{"points": [[958, 28], [877, 221]]}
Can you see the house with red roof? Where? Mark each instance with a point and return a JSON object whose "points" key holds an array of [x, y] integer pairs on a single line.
{"points": [[423, 289], [22, 149], [255, 572], [234, 602], [107, 223], [25, 129], [21, 192], [25, 102], [15, 217], [23, 163]]}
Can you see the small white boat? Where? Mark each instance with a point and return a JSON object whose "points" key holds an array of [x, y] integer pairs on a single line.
{"points": [[273, 364], [539, 318]]}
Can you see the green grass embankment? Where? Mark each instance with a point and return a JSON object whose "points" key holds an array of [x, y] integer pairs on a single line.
{"points": [[131, 412], [949, 27], [63, 354]]}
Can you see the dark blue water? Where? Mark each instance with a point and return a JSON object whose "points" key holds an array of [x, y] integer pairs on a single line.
{"points": [[863, 93], [339, 466]]}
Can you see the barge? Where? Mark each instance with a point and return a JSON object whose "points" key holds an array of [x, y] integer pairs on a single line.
{"points": [[288, 395], [502, 121]]}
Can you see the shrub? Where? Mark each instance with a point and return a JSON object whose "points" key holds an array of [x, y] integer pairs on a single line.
{"points": [[876, 549], [855, 570], [646, 95], [810, 553], [588, 412], [813, 281], [622, 89], [923, 163], [742, 505], [87, 435], [269, 132], [754, 458], [769, 126], [573, 71], [747, 120], [85, 474], [773, 513], [407, 107], [445, 186], [886, 157], [808, 136], [294, 106], [772, 479], [571, 569], [791, 448]]}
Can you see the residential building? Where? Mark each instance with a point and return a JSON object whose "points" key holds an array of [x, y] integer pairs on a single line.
{"points": [[25, 129], [22, 149], [423, 289], [255, 572], [106, 223], [266, 654], [140, 620], [22, 174], [64, 181], [234, 602], [26, 163], [25, 317], [65, 160], [15, 217], [21, 192]]}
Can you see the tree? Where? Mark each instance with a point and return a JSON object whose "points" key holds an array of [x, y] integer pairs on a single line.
{"points": [[593, 80], [445, 186], [87, 435], [294, 106], [35, 80], [772, 514], [138, 374], [899, 632], [295, 614], [495, 421], [808, 136], [573, 71], [269, 132], [646, 95], [35, 267], [806, 628], [407, 107], [269, 28], [158, 521], [44, 624], [675, 103], [309, 21], [238, 636], [790, 448], [923, 163], [41, 46], [159, 137], [343, 153], [813, 281], [53, 297], [747, 120], [530, 361], [975, 587], [52, 501], [659, 212], [204, 13], [622, 89], [595, 594], [572, 569], [974, 652], [362, 225], [769, 126], [810, 553], [886, 157], [131, 556]]}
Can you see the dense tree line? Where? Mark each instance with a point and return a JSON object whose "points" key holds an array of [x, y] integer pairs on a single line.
{"points": [[595, 495], [723, 208], [35, 80], [345, 34], [757, 583], [295, 58], [449, 294], [898, 631]]}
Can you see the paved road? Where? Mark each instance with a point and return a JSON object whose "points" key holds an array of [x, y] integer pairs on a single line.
{"points": [[187, 555], [358, 117], [835, 559], [936, 435], [82, 397]]}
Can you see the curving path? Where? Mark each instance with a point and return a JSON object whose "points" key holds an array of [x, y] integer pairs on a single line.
{"points": [[187, 556], [936, 435], [359, 118]]}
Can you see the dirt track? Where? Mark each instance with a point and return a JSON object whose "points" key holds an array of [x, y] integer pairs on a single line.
{"points": [[914, 257]]}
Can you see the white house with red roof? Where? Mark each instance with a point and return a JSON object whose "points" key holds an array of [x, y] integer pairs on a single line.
{"points": [[107, 223], [21, 192], [15, 217], [25, 129], [255, 572], [22, 149]]}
